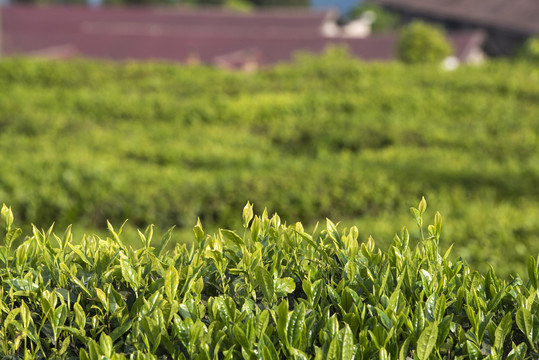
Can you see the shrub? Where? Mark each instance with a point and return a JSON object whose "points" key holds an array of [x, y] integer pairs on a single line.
{"points": [[269, 291], [420, 43], [530, 50]]}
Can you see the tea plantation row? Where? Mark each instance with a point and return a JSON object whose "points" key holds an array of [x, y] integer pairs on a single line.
{"points": [[84, 142], [267, 291]]}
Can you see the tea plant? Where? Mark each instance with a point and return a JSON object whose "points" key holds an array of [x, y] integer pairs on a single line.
{"points": [[83, 142], [267, 291]]}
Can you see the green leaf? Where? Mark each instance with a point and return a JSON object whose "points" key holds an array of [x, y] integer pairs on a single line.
{"points": [[221, 310], [116, 236], [383, 354], [443, 330], [296, 326], [12, 235], [105, 343], [427, 341], [265, 281], [199, 232], [347, 344], [80, 316], [502, 330], [262, 322], [403, 352], [129, 274], [284, 286], [266, 342], [417, 216], [60, 315], [525, 322], [120, 330], [152, 330], [21, 285], [405, 238], [232, 236], [172, 281], [395, 296], [334, 233], [247, 214], [83, 355], [164, 242], [333, 350], [418, 321], [474, 353], [438, 223], [241, 337], [386, 321], [282, 322], [102, 298], [255, 229], [422, 205], [26, 315], [7, 216], [429, 308], [532, 272], [231, 308], [266, 354], [518, 352], [439, 308]]}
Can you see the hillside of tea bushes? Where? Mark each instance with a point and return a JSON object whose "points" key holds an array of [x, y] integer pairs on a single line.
{"points": [[85, 142], [267, 291]]}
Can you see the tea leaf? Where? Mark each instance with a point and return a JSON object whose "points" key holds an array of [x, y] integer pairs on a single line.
{"points": [[532, 272], [172, 281], [296, 326], [284, 286], [502, 330], [427, 341], [265, 280]]}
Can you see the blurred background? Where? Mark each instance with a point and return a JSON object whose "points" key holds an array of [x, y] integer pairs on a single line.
{"points": [[161, 112]]}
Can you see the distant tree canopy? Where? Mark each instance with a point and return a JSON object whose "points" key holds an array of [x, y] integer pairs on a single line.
{"points": [[421, 43]]}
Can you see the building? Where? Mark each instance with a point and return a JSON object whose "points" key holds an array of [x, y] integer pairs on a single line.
{"points": [[507, 24], [209, 36]]}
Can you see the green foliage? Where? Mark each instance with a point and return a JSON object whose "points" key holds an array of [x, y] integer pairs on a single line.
{"points": [[421, 43], [530, 50], [383, 20], [85, 142], [275, 292], [239, 5]]}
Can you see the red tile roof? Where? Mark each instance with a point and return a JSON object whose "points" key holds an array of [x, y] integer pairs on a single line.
{"points": [[208, 36], [516, 15]]}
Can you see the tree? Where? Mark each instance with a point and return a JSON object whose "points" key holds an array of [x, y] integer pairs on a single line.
{"points": [[421, 43]]}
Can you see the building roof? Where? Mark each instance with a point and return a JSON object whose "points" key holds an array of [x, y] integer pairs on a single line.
{"points": [[514, 15], [208, 36]]}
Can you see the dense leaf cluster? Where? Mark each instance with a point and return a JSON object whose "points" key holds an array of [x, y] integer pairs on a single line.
{"points": [[269, 291], [82, 142], [421, 43]]}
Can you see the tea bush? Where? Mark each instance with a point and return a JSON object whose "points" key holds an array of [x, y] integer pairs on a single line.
{"points": [[84, 142], [267, 291]]}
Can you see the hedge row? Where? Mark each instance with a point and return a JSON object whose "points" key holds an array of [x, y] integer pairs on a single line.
{"points": [[85, 142], [267, 291]]}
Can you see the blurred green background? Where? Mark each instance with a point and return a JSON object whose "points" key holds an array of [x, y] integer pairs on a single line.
{"points": [[82, 142]]}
